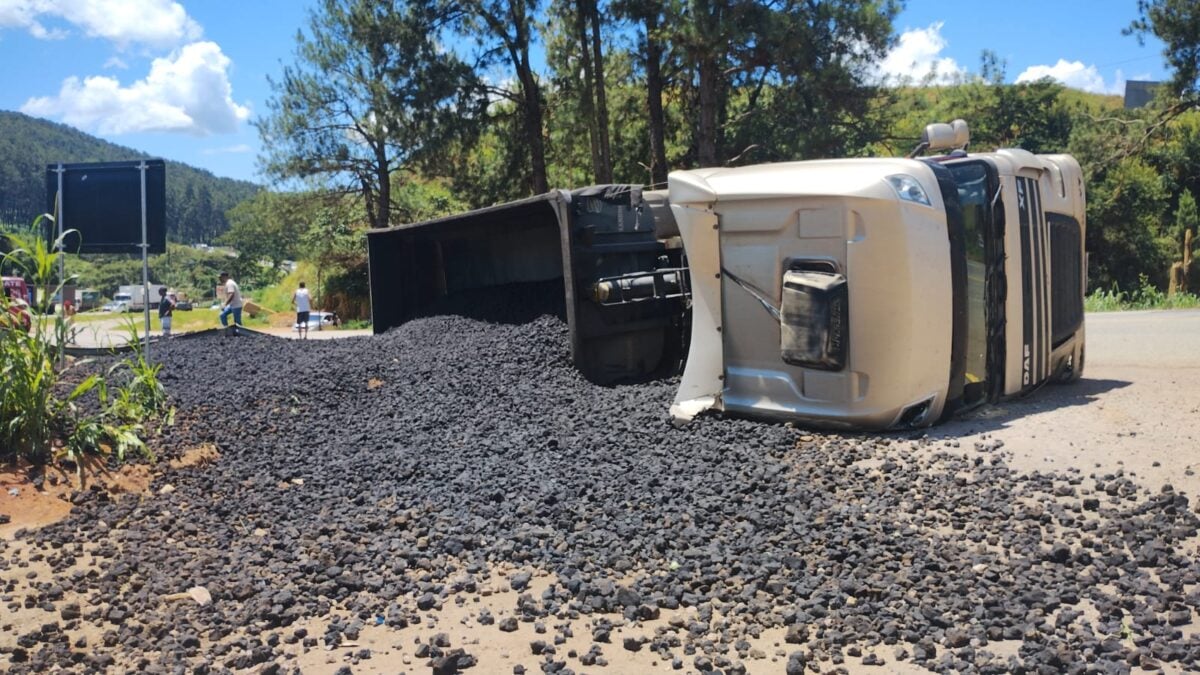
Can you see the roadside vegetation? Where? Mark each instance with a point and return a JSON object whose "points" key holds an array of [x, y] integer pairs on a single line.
{"points": [[1146, 297], [57, 409]]}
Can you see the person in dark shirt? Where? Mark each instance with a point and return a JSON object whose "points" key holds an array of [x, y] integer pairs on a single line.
{"points": [[166, 308]]}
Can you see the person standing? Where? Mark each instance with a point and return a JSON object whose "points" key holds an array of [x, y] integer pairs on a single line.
{"points": [[166, 309], [232, 303], [303, 304]]}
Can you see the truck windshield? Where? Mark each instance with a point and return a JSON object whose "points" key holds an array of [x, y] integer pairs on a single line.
{"points": [[972, 180]]}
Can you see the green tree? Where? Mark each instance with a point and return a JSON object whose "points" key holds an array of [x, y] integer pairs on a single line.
{"points": [[782, 80], [1125, 237], [264, 232], [651, 19], [504, 30], [370, 95], [335, 242], [1030, 115], [418, 200], [575, 55], [1177, 24]]}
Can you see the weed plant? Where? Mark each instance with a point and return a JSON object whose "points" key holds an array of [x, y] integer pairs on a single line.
{"points": [[1147, 296], [51, 408]]}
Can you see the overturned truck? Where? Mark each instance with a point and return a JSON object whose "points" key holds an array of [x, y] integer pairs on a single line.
{"points": [[853, 293]]}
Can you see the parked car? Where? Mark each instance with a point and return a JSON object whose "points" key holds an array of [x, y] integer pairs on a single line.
{"points": [[321, 320], [182, 302], [116, 306]]}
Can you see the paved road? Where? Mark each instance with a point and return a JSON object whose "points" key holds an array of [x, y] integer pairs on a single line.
{"points": [[112, 333], [103, 333], [1137, 407]]}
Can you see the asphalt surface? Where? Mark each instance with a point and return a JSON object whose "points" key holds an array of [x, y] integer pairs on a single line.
{"points": [[1137, 407], [108, 333]]}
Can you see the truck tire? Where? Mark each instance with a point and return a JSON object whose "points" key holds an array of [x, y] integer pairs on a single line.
{"points": [[1072, 374]]}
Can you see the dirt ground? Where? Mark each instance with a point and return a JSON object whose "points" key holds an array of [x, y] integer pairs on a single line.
{"points": [[1137, 410], [30, 507]]}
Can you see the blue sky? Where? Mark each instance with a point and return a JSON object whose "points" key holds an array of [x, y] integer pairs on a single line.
{"points": [[182, 79]]}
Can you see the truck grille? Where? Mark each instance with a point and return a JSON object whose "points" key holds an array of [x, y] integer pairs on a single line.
{"points": [[1035, 272]]}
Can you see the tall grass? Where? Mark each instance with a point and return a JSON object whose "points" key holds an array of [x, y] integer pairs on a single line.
{"points": [[51, 408], [1145, 297]]}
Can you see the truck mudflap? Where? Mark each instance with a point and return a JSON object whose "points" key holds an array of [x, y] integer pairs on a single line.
{"points": [[597, 248]]}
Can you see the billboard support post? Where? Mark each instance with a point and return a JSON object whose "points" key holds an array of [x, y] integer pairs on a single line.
{"points": [[145, 262], [58, 218]]}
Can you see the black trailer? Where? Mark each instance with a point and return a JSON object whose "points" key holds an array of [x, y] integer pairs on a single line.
{"points": [[614, 249]]}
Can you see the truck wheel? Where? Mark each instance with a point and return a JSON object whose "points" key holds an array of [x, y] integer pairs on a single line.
{"points": [[1072, 374]]}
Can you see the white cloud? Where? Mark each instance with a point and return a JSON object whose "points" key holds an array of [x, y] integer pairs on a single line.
{"points": [[188, 92], [115, 62], [917, 58], [156, 23], [1075, 75]]}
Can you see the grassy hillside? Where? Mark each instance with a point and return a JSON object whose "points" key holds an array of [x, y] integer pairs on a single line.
{"points": [[196, 199]]}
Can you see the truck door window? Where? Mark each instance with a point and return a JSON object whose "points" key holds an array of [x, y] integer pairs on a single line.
{"points": [[973, 194]]}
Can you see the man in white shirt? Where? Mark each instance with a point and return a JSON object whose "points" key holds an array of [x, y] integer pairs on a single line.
{"points": [[303, 304], [232, 302]]}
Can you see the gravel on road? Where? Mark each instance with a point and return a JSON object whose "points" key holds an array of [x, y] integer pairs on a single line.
{"points": [[369, 483]]}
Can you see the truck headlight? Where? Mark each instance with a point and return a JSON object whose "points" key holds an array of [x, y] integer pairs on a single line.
{"points": [[908, 188]]}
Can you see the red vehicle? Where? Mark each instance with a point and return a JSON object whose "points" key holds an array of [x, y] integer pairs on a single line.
{"points": [[18, 306]]}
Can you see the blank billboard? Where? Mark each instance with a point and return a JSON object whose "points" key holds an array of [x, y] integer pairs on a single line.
{"points": [[103, 202]]}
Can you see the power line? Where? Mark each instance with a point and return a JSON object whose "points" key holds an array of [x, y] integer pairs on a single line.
{"points": [[1117, 63]]}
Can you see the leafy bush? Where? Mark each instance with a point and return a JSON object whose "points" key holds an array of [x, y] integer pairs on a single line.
{"points": [[50, 410]]}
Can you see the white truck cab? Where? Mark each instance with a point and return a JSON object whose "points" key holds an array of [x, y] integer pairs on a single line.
{"points": [[848, 293], [881, 293]]}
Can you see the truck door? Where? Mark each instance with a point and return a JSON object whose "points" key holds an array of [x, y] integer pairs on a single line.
{"points": [[977, 183]]}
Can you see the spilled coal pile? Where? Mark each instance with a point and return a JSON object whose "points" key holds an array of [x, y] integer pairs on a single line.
{"points": [[371, 476]]}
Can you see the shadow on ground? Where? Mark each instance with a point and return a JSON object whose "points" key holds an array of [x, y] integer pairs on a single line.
{"points": [[990, 418]]}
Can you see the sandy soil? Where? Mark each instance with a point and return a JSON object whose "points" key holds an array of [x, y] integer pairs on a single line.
{"points": [[30, 507], [393, 650]]}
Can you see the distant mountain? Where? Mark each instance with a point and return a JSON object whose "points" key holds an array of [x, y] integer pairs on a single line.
{"points": [[196, 199]]}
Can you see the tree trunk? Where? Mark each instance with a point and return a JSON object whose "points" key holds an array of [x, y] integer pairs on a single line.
{"points": [[533, 132], [530, 96], [708, 18], [589, 111], [1177, 276], [368, 195], [606, 173], [383, 195], [507, 22], [706, 123], [654, 92]]}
